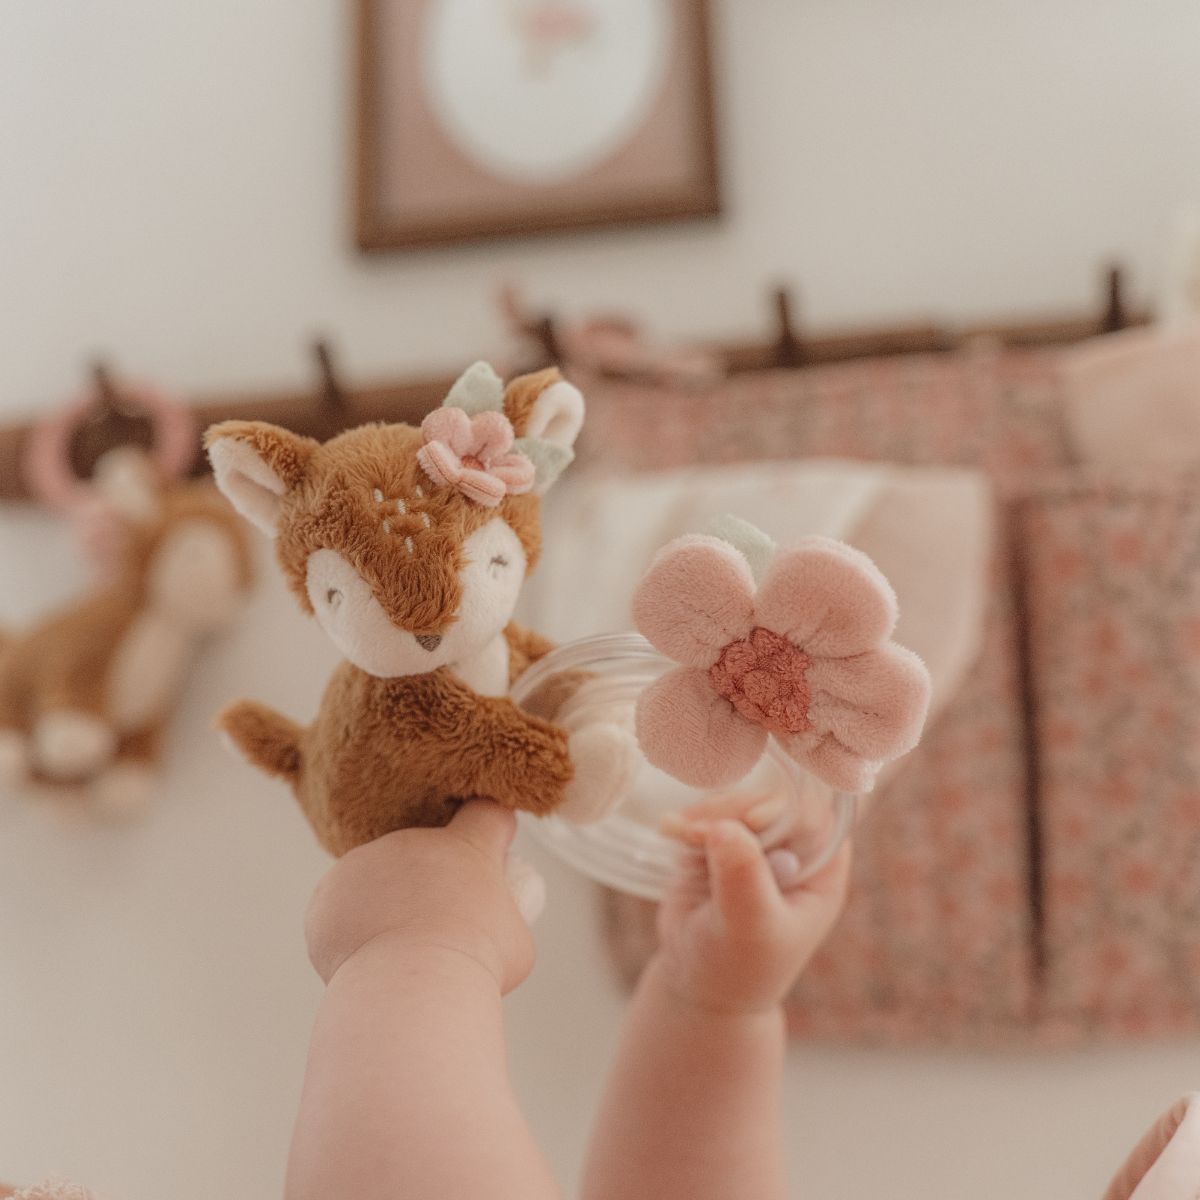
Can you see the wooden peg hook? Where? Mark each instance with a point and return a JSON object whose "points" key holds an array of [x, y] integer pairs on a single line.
{"points": [[108, 399], [114, 422], [541, 331], [1115, 316], [333, 395], [545, 332], [789, 349]]}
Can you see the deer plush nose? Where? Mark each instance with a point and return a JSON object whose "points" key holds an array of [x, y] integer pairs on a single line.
{"points": [[430, 641]]}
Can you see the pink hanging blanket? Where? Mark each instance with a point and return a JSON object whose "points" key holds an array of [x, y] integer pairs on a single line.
{"points": [[918, 955], [1010, 879]]}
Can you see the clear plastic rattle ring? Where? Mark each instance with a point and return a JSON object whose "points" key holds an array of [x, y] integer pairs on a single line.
{"points": [[600, 679]]}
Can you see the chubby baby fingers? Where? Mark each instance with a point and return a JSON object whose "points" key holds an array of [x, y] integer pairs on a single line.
{"points": [[739, 875]]}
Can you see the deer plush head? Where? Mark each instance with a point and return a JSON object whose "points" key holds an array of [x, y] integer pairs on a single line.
{"points": [[409, 545]]}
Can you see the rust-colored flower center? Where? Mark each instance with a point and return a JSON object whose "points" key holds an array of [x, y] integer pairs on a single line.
{"points": [[764, 677], [474, 463]]}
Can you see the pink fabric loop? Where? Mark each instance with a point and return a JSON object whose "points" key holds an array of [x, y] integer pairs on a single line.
{"points": [[51, 478], [47, 462]]}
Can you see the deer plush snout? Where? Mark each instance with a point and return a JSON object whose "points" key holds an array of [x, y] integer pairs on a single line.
{"points": [[386, 535]]}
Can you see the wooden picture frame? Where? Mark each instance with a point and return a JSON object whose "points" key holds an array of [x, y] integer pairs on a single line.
{"points": [[427, 173]]}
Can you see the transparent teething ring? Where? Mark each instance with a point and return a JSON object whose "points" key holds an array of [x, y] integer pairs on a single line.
{"points": [[626, 851]]}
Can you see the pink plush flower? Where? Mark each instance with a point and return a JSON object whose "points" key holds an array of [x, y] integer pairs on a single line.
{"points": [[474, 455], [808, 659]]}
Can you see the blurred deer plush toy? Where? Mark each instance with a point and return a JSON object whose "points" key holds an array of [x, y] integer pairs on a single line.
{"points": [[85, 695], [410, 547]]}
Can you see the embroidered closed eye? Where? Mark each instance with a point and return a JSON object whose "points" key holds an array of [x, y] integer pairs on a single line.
{"points": [[499, 562], [333, 597]]}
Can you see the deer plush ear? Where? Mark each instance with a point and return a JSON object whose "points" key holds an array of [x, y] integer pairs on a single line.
{"points": [[547, 414], [256, 465]]}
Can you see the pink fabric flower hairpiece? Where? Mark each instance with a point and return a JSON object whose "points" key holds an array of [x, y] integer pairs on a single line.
{"points": [[808, 660], [474, 455]]}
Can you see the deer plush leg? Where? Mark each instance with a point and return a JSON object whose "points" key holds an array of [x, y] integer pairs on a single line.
{"points": [[524, 762], [265, 738], [486, 746], [603, 747], [70, 745], [606, 759], [124, 789]]}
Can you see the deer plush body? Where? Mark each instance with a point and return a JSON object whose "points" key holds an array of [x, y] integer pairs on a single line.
{"points": [[409, 546], [85, 695]]}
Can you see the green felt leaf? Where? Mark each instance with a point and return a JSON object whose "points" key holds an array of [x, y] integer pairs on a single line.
{"points": [[757, 548], [478, 389], [550, 459]]}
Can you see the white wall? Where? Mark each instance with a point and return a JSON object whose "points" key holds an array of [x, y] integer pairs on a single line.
{"points": [[171, 191], [173, 182]]}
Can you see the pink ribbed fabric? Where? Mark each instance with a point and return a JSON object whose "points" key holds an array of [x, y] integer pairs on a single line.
{"points": [[1114, 640]]}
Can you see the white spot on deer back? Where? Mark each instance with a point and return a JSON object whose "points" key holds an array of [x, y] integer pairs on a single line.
{"points": [[195, 576], [147, 670]]}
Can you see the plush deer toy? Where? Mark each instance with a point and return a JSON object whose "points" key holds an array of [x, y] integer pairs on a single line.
{"points": [[85, 695], [410, 547]]}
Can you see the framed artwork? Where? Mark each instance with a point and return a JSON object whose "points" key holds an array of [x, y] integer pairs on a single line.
{"points": [[493, 118]]}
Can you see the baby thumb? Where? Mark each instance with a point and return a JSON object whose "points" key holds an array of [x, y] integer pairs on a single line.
{"points": [[486, 826]]}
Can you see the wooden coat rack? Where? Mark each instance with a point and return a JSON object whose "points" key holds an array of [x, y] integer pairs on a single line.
{"points": [[332, 406]]}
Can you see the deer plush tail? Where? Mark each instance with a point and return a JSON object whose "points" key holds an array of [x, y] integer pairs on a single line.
{"points": [[266, 738]]}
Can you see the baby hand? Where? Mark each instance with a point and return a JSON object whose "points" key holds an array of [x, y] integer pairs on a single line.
{"points": [[438, 891], [737, 929]]}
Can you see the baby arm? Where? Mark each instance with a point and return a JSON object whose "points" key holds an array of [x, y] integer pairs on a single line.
{"points": [[406, 1092], [693, 1105]]}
